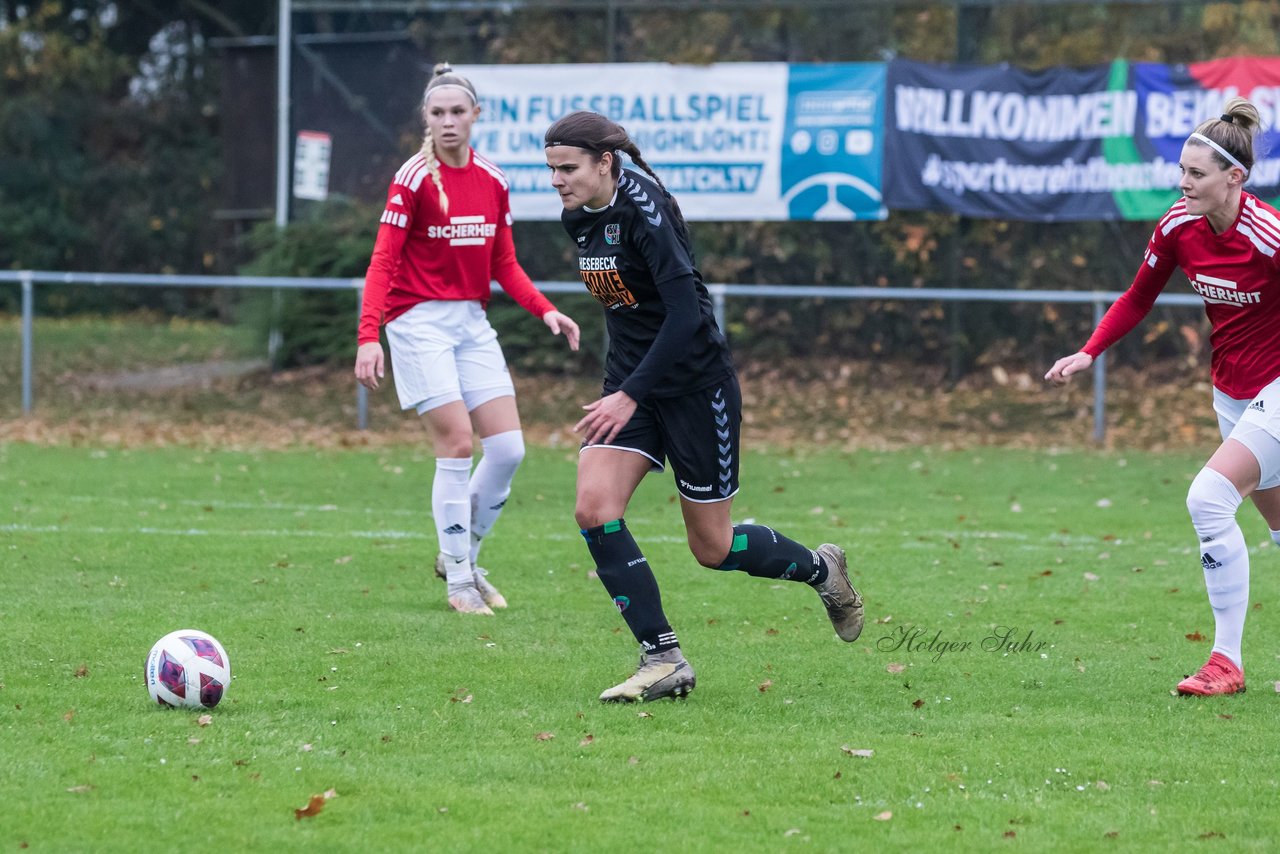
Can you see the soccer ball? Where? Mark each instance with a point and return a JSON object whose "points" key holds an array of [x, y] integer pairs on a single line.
{"points": [[187, 669]]}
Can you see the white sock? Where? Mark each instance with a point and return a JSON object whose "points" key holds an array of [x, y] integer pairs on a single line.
{"points": [[452, 513], [1224, 557], [1225, 560], [491, 483], [1275, 537]]}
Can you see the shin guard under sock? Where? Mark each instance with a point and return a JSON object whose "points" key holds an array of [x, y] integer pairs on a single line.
{"points": [[626, 575], [764, 553]]}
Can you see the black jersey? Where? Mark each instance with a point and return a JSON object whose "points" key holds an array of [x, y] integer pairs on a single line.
{"points": [[635, 257]]}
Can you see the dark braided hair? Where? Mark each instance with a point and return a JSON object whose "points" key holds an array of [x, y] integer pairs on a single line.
{"points": [[597, 134]]}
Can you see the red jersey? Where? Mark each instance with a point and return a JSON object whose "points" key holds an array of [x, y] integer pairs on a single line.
{"points": [[1236, 273], [423, 253]]}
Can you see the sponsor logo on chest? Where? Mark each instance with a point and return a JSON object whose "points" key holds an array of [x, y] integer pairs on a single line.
{"points": [[464, 231], [1217, 291]]}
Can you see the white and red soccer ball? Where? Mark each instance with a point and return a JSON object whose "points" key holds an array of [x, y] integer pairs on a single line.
{"points": [[187, 669]]}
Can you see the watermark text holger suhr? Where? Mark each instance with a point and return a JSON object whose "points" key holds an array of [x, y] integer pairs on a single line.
{"points": [[1001, 639]]}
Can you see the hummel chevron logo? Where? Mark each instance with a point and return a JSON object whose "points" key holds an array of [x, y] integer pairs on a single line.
{"points": [[724, 476], [637, 192], [1257, 406], [455, 528], [722, 420], [718, 405], [724, 448], [723, 435], [725, 490], [725, 461]]}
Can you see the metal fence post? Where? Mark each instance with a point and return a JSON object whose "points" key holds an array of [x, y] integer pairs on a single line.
{"points": [[717, 307], [28, 309], [1099, 383]]}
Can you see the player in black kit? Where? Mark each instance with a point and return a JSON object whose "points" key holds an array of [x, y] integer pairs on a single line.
{"points": [[670, 393]]}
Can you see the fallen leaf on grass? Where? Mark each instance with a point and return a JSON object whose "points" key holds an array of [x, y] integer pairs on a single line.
{"points": [[193, 740], [884, 816], [313, 807], [837, 776], [1090, 576], [80, 790], [204, 720], [644, 714], [71, 713], [793, 831], [343, 559], [581, 806], [545, 736], [765, 685], [1195, 636], [82, 671], [1010, 834], [865, 753], [917, 703], [895, 667], [587, 739], [306, 748]]}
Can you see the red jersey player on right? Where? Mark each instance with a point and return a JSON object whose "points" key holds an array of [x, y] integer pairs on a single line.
{"points": [[1225, 240]]}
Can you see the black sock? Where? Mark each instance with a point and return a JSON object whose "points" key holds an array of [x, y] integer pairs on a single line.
{"points": [[629, 580], [765, 553]]}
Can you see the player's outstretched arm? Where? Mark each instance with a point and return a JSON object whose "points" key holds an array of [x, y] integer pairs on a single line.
{"points": [[1068, 365]]}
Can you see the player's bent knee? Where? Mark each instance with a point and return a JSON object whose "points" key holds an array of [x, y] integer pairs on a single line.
{"points": [[592, 515], [709, 558], [1212, 501], [504, 449]]}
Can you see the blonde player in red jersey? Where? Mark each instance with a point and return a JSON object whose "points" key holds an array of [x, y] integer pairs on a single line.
{"points": [[445, 234], [1225, 239]]}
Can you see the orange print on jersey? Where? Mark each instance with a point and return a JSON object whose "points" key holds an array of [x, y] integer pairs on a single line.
{"points": [[607, 286]]}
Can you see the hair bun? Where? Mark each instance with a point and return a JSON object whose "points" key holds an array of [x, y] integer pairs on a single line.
{"points": [[441, 68], [1228, 118]]}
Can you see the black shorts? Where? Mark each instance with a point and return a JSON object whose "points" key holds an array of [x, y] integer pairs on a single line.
{"points": [[698, 432]]}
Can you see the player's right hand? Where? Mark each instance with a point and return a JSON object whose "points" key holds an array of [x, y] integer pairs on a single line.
{"points": [[1068, 365], [369, 364]]}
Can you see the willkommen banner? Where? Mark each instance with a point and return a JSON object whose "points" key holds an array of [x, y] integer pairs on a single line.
{"points": [[1092, 143], [741, 141]]}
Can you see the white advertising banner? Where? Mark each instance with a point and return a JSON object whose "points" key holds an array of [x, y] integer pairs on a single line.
{"points": [[740, 141]]}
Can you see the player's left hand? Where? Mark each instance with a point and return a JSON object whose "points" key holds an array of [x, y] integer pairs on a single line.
{"points": [[559, 323], [605, 417]]}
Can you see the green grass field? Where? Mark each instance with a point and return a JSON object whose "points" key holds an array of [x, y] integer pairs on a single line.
{"points": [[1045, 600]]}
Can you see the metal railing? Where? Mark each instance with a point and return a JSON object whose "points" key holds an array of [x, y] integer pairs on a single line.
{"points": [[28, 279]]}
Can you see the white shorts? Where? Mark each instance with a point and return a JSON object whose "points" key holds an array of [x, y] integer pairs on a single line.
{"points": [[443, 351], [1256, 425]]}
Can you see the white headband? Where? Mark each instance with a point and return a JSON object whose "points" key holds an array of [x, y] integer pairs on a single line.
{"points": [[1218, 148], [427, 94]]}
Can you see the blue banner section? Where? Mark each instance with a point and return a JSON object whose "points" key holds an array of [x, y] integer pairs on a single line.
{"points": [[996, 141], [831, 152]]}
